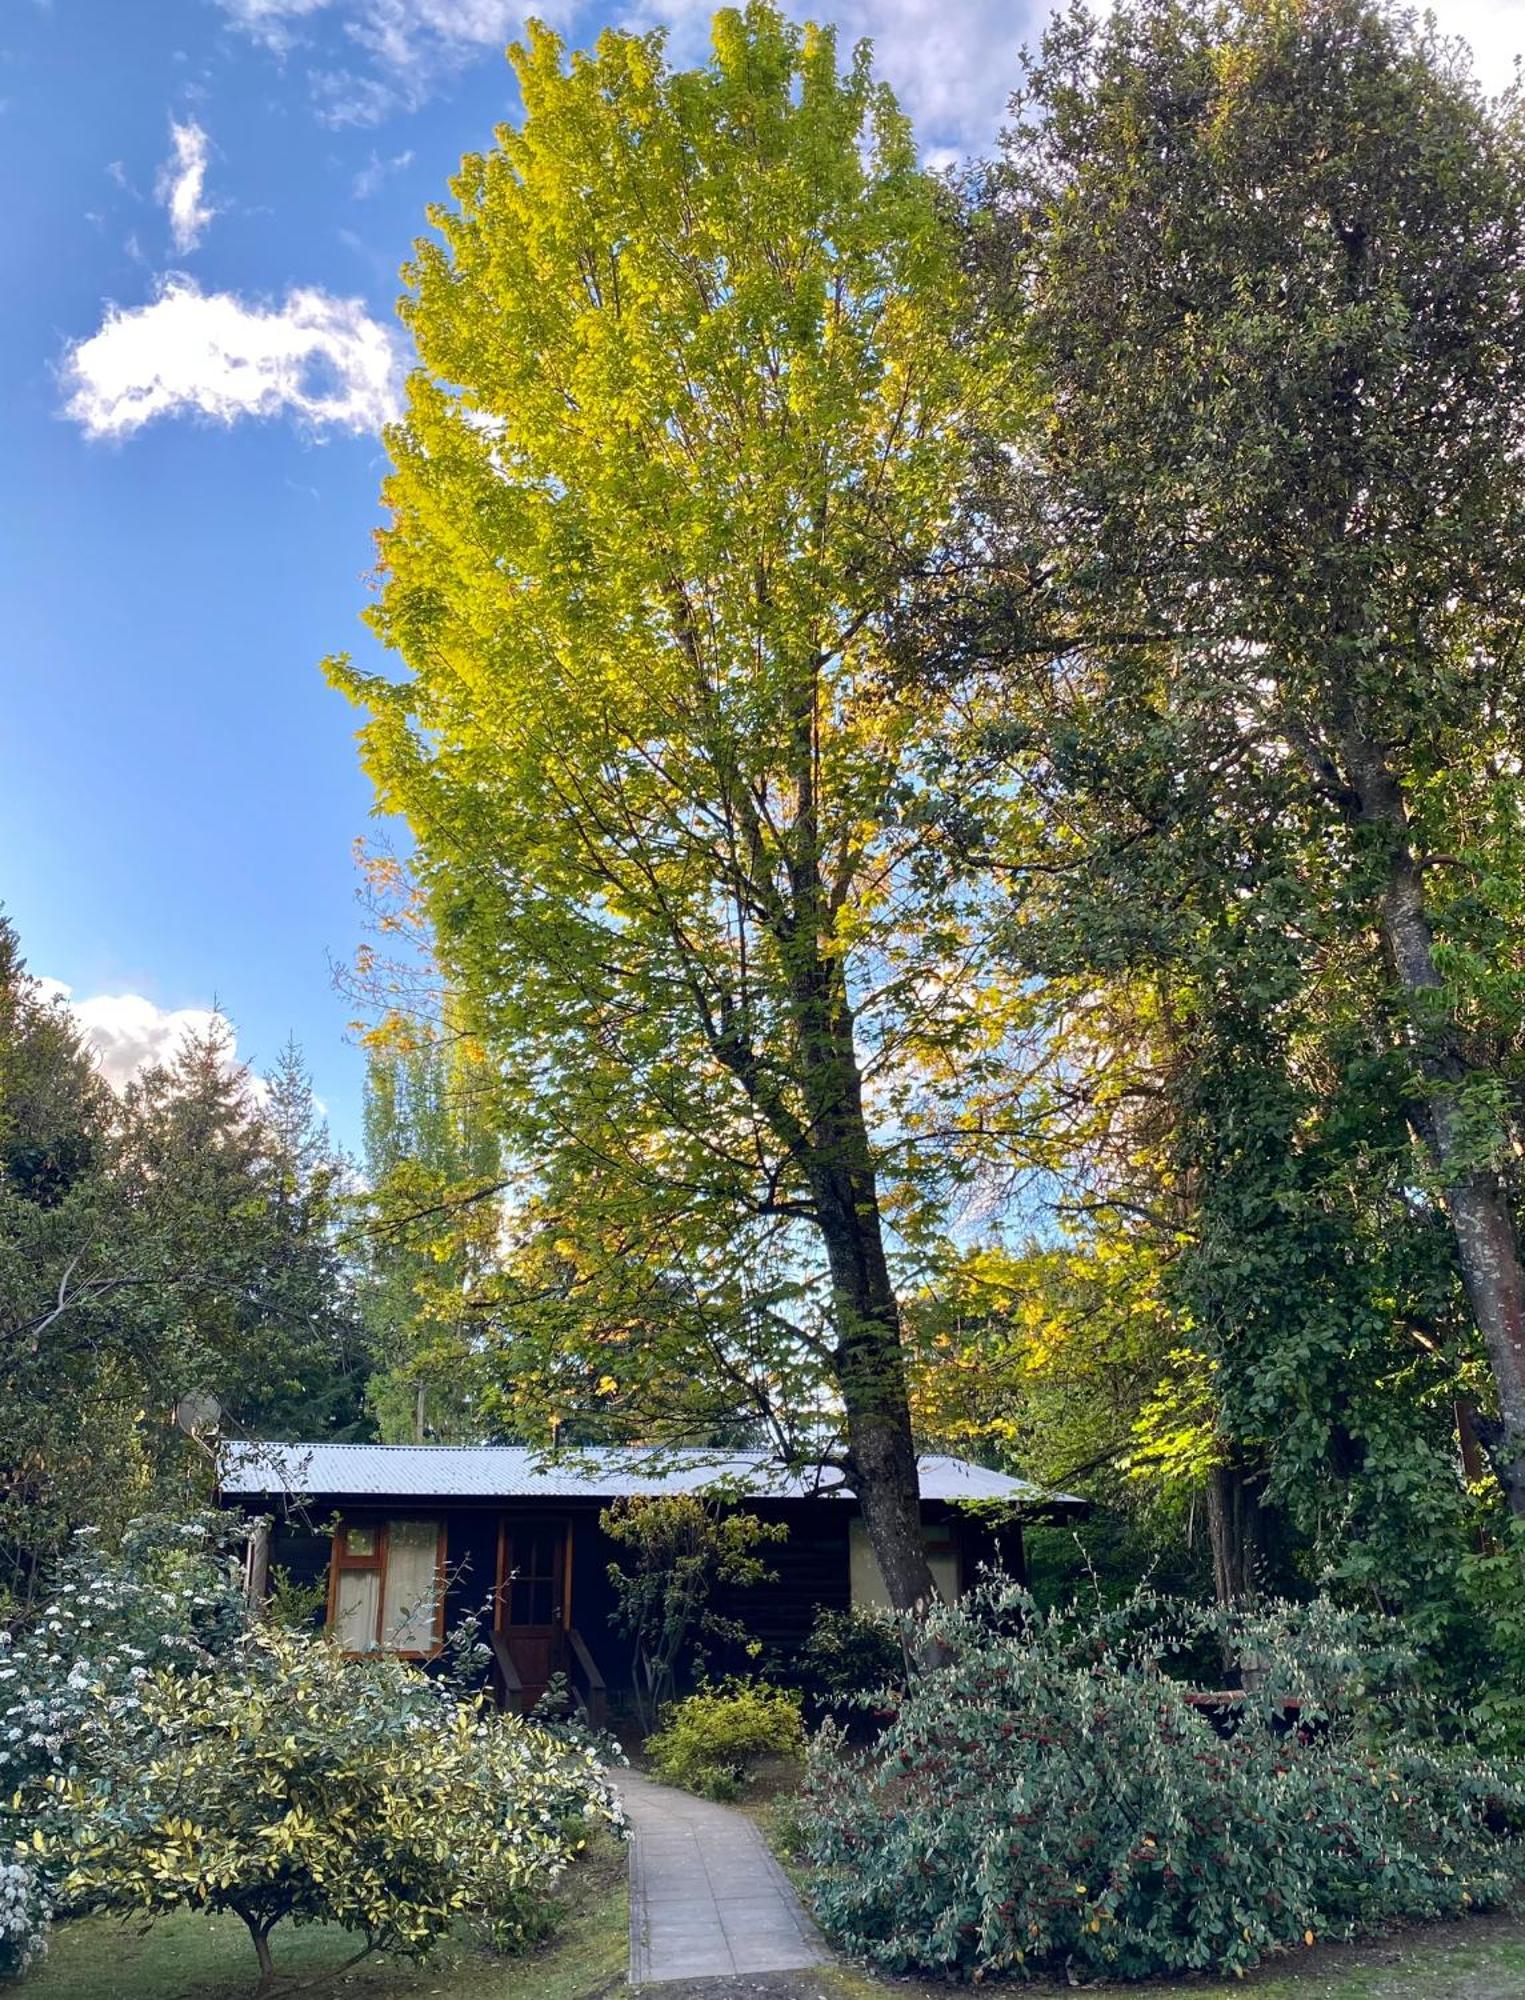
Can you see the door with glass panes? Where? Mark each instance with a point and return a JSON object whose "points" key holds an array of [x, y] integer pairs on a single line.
{"points": [[534, 1586]]}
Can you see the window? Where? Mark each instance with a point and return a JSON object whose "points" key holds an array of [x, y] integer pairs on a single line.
{"points": [[868, 1585], [386, 1587]]}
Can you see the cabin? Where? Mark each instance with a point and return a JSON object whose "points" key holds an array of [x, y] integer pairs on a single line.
{"points": [[409, 1540]]}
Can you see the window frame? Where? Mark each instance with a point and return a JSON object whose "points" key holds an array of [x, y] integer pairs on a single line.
{"points": [[341, 1561]]}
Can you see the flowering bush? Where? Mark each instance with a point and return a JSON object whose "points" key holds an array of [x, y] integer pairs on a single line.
{"points": [[24, 1911], [168, 1597], [155, 1751], [1050, 1802], [709, 1742], [288, 1782]]}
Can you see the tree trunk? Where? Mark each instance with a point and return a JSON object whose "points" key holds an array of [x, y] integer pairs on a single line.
{"points": [[835, 1155], [1235, 1527], [257, 1568], [260, 1932], [870, 1370], [869, 1355], [1487, 1247]]}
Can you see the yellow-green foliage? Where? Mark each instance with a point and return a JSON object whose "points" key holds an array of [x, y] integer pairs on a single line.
{"points": [[698, 372], [710, 1742], [290, 1782]]}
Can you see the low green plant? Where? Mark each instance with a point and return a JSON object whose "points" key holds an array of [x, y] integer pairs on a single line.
{"points": [[286, 1782], [711, 1742], [1050, 1803], [296, 1607], [849, 1655]]}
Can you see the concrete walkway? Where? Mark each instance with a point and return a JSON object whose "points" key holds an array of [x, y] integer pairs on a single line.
{"points": [[706, 1896]]}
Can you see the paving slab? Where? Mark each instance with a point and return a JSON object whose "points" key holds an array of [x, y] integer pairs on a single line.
{"points": [[707, 1898]]}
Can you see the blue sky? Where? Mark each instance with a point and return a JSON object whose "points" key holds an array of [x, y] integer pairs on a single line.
{"points": [[207, 204]]}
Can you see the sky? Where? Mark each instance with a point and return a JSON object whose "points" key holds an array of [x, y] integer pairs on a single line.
{"points": [[207, 204]]}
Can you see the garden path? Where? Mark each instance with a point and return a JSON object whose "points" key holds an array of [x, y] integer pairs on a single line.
{"points": [[707, 1898]]}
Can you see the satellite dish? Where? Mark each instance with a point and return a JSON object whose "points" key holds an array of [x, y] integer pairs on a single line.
{"points": [[197, 1411]]}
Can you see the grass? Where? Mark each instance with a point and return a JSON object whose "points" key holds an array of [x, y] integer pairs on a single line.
{"points": [[187, 1957]]}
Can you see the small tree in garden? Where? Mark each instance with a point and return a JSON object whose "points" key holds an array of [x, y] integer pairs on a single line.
{"points": [[681, 1545], [293, 1784]]}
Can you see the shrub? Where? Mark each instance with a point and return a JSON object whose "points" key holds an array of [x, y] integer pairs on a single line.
{"points": [[24, 1913], [1049, 1802], [850, 1655], [710, 1743], [288, 1782], [169, 1597]]}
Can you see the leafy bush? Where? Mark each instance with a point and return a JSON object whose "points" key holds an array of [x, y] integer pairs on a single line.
{"points": [[849, 1654], [288, 1782], [169, 1597], [25, 1908], [710, 1743], [1049, 1802]]}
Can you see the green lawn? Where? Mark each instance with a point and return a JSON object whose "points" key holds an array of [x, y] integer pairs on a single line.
{"points": [[210, 1958]]}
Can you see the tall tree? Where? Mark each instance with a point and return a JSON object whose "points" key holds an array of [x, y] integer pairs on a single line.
{"points": [[238, 1193], [434, 1164], [180, 1235], [1268, 261], [693, 386], [72, 1329]]}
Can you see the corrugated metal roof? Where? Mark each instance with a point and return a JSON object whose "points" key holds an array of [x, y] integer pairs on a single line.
{"points": [[510, 1472]]}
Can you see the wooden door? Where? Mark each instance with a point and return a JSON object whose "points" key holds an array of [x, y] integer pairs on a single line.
{"points": [[534, 1578]]}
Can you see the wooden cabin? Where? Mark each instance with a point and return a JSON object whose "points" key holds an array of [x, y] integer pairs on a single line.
{"points": [[408, 1540]]}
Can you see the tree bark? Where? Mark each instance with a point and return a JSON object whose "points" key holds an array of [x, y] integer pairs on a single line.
{"points": [[257, 1568], [870, 1359], [839, 1167], [1235, 1529], [260, 1932], [1487, 1246]]}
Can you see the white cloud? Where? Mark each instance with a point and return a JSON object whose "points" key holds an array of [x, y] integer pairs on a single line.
{"points": [[180, 185], [409, 45], [376, 170], [188, 352], [954, 62], [129, 1033], [270, 20]]}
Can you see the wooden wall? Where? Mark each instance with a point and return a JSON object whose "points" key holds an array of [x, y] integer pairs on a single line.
{"points": [[811, 1565]]}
